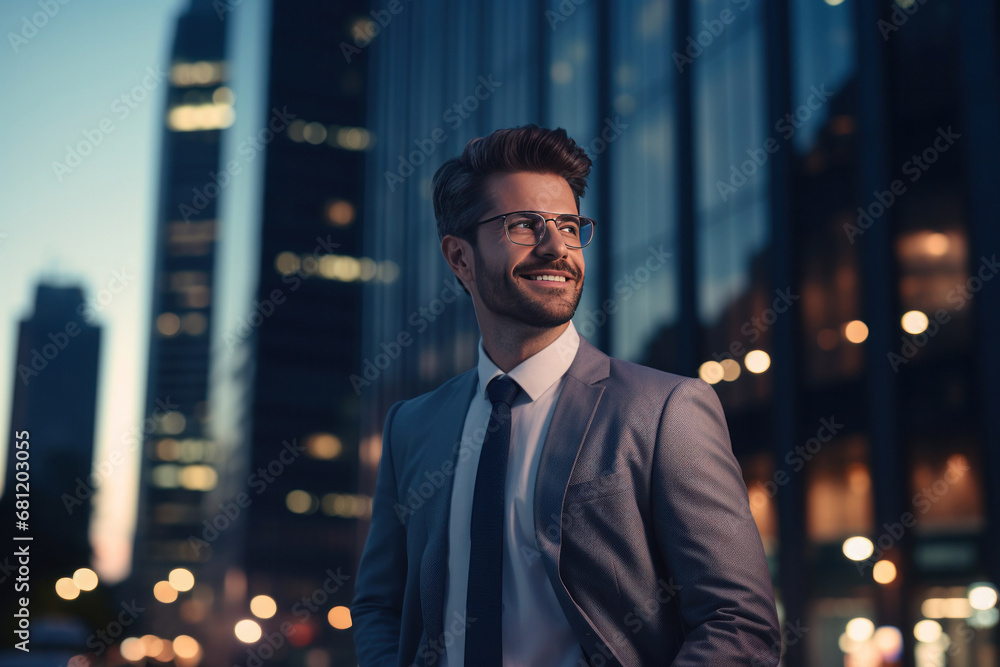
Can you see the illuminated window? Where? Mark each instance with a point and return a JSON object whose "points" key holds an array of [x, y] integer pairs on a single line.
{"points": [[191, 238]]}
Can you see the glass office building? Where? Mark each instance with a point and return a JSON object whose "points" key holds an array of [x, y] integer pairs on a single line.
{"points": [[795, 203]]}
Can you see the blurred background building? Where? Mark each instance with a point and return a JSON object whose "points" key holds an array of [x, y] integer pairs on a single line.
{"points": [[50, 479], [794, 202]]}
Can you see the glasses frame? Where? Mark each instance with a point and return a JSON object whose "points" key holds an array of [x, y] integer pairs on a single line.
{"points": [[545, 227]]}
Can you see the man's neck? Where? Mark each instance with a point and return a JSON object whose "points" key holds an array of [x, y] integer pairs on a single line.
{"points": [[508, 347]]}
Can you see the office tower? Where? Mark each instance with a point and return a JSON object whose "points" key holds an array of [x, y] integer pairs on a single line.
{"points": [[284, 407], [177, 452], [50, 451]]}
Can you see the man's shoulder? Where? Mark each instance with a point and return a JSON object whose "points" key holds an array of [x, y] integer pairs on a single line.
{"points": [[437, 399]]}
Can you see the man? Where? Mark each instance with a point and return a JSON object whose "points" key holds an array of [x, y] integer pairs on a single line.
{"points": [[553, 506]]}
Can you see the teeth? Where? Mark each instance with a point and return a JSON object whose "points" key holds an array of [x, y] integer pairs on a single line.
{"points": [[557, 279]]}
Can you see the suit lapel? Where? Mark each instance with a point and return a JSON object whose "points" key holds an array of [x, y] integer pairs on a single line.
{"points": [[576, 407], [434, 565]]}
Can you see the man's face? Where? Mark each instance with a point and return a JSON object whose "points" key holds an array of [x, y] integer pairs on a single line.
{"points": [[511, 279]]}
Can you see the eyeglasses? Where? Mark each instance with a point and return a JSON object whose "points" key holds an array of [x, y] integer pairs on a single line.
{"points": [[528, 227]]}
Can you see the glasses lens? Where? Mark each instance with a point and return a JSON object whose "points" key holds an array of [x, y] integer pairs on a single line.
{"points": [[582, 231], [525, 228]]}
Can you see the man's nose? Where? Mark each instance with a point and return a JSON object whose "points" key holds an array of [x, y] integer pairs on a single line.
{"points": [[552, 242]]}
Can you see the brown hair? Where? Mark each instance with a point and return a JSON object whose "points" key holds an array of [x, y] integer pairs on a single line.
{"points": [[460, 197]]}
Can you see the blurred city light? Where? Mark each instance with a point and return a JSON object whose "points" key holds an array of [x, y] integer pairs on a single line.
{"points": [[927, 631], [757, 361], [248, 631], [914, 322], [889, 641], [133, 649], [858, 548], [323, 446], [263, 606], [186, 646], [884, 572], [860, 629], [711, 372], [340, 618], [67, 589], [730, 369], [856, 331], [164, 592], [85, 579], [982, 596], [181, 579]]}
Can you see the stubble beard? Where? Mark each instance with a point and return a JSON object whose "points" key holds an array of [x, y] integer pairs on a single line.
{"points": [[501, 293]]}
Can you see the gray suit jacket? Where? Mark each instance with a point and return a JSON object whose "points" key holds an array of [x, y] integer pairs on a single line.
{"points": [[641, 519]]}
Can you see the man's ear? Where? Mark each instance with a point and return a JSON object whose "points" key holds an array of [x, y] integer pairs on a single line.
{"points": [[458, 253]]}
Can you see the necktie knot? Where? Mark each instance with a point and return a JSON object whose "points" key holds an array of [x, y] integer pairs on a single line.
{"points": [[503, 389]]}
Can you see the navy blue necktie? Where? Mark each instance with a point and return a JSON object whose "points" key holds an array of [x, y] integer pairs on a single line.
{"points": [[484, 637]]}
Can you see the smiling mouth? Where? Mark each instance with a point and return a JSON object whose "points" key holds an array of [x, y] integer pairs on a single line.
{"points": [[554, 279]]}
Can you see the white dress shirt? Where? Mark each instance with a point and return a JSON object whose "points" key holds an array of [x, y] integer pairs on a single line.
{"points": [[535, 629]]}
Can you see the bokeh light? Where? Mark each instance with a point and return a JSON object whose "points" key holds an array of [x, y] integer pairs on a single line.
{"points": [[263, 606], [858, 548], [340, 618], [884, 572], [757, 361], [181, 579], [248, 631], [711, 372], [85, 579], [66, 589], [927, 631], [914, 322]]}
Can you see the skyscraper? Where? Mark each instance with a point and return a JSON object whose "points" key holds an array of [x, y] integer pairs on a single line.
{"points": [[285, 410], [176, 470], [51, 446]]}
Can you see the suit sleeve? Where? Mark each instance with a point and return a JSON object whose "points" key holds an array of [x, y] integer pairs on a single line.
{"points": [[707, 535], [378, 600]]}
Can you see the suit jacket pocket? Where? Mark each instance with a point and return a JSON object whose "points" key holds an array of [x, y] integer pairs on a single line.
{"points": [[599, 487]]}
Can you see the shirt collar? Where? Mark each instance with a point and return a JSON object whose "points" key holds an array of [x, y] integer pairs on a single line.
{"points": [[538, 372]]}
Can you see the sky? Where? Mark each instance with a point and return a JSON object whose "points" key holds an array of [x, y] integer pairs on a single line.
{"points": [[89, 225]]}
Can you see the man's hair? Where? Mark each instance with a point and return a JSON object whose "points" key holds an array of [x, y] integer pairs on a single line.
{"points": [[460, 197]]}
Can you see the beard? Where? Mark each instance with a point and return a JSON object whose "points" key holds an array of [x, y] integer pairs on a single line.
{"points": [[509, 296]]}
